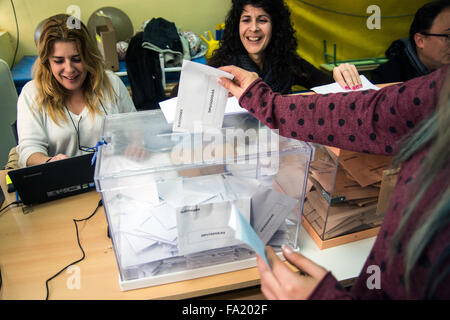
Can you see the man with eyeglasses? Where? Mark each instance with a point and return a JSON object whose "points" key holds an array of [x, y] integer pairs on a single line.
{"points": [[426, 50]]}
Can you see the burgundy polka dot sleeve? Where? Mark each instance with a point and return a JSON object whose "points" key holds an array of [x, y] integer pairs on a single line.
{"points": [[372, 121], [365, 121]]}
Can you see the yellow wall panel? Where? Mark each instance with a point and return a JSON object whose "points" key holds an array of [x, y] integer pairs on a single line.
{"points": [[345, 24], [195, 15], [313, 24]]}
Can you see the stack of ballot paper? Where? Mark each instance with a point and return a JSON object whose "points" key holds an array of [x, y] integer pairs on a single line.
{"points": [[192, 218], [344, 191], [183, 204]]}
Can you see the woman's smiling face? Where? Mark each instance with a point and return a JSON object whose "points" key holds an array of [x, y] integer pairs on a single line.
{"points": [[66, 65], [255, 30]]}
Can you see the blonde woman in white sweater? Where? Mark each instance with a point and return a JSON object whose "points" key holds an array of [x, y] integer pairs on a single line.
{"points": [[59, 112]]}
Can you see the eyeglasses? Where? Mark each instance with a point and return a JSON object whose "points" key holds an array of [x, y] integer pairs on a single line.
{"points": [[443, 35], [82, 148], [77, 129]]}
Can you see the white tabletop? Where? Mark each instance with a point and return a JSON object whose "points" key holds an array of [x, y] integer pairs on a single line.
{"points": [[344, 261]]}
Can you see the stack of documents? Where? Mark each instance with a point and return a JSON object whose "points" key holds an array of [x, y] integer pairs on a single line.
{"points": [[192, 218], [345, 190]]}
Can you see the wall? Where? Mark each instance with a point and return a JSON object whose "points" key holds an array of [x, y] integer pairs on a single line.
{"points": [[195, 15], [344, 23], [354, 40]]}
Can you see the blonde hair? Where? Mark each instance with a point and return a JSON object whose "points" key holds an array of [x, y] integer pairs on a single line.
{"points": [[52, 95], [433, 132]]}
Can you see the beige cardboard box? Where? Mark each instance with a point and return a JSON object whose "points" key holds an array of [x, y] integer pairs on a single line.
{"points": [[106, 42]]}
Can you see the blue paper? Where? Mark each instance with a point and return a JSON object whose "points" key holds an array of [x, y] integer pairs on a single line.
{"points": [[245, 233]]}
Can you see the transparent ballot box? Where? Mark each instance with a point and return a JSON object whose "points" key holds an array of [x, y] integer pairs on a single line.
{"points": [[169, 196], [343, 199]]}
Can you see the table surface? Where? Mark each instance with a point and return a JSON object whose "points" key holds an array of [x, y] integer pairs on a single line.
{"points": [[37, 244]]}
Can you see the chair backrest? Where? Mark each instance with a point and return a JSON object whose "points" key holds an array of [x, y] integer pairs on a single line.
{"points": [[8, 111]]}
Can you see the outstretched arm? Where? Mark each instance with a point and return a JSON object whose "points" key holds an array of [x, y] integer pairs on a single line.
{"points": [[367, 121]]}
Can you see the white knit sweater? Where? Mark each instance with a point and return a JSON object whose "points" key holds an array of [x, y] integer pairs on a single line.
{"points": [[39, 133]]}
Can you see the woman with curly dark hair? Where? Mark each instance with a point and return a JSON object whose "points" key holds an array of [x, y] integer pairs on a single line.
{"points": [[259, 37]]}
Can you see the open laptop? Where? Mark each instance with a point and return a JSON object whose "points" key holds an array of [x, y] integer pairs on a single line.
{"points": [[54, 180]]}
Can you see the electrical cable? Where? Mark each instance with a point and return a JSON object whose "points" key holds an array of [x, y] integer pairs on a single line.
{"points": [[79, 245], [17, 34], [351, 14], [3, 210]]}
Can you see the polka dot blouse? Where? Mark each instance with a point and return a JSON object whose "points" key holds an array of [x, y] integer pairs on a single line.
{"points": [[372, 122]]}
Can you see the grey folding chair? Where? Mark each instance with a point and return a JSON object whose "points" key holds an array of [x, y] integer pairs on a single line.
{"points": [[8, 112]]}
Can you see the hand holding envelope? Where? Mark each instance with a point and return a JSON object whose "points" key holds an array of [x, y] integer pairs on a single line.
{"points": [[336, 87]]}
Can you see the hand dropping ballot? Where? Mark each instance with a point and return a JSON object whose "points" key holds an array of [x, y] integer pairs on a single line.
{"points": [[201, 99]]}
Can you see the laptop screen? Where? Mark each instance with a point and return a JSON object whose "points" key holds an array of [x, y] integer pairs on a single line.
{"points": [[54, 180]]}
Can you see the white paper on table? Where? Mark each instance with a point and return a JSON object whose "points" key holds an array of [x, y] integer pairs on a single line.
{"points": [[269, 211], [166, 215], [169, 107], [335, 87], [205, 226]]}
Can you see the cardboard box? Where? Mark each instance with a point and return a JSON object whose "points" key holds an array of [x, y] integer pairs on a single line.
{"points": [[106, 42], [348, 196], [387, 188]]}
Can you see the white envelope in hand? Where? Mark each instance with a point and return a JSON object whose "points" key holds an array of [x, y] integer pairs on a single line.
{"points": [[201, 98]]}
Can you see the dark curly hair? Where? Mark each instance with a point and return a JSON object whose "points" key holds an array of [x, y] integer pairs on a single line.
{"points": [[280, 54]]}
